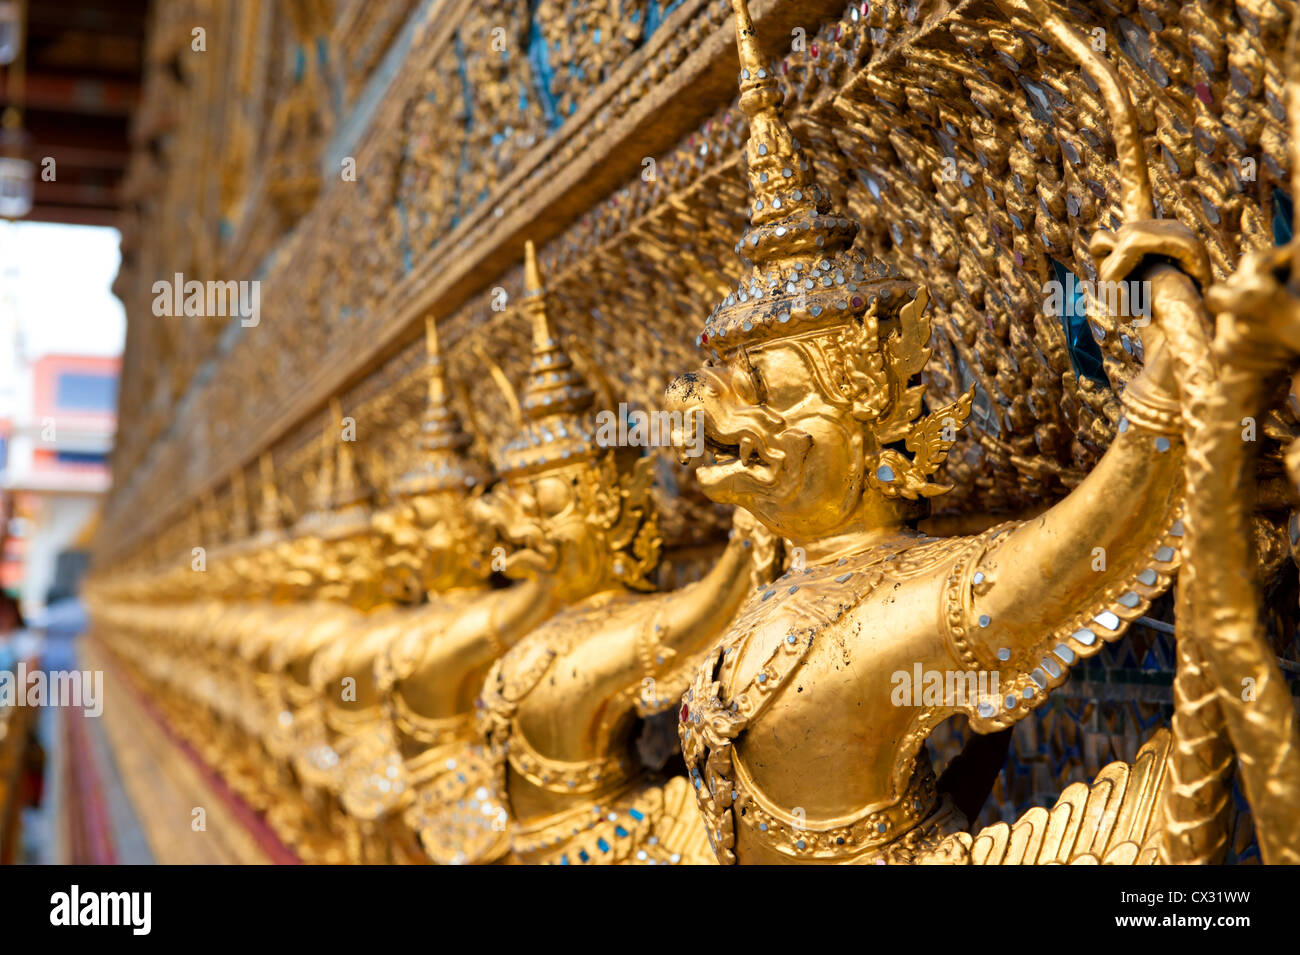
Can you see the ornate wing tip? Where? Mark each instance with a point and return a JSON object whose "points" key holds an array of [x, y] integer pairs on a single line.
{"points": [[1110, 822]]}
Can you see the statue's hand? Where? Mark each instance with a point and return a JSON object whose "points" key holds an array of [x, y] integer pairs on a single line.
{"points": [[1263, 298], [765, 550], [1118, 254]]}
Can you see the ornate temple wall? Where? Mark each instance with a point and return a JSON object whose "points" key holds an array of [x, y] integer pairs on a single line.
{"points": [[374, 164], [977, 164]]}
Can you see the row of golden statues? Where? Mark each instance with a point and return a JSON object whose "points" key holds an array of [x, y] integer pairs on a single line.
{"points": [[484, 721]]}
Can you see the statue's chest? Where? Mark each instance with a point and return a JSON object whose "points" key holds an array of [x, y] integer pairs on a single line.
{"points": [[785, 692], [833, 611], [793, 615], [523, 667]]}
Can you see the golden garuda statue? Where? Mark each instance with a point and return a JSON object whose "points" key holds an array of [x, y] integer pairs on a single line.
{"points": [[428, 677], [430, 542], [808, 391], [559, 710]]}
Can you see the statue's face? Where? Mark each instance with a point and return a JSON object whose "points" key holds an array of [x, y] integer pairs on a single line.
{"points": [[357, 564], [401, 540], [449, 549], [296, 563], [345, 567], [778, 447], [545, 518]]}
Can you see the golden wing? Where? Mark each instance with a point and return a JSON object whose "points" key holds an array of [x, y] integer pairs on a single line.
{"points": [[933, 436], [907, 353], [929, 441], [1111, 822]]}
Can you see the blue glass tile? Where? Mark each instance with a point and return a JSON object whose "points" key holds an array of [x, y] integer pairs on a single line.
{"points": [[539, 58], [1283, 217], [1085, 354]]}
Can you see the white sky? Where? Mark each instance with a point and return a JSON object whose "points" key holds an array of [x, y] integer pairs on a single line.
{"points": [[55, 284]]}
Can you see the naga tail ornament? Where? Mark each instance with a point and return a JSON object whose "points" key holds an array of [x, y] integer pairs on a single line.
{"points": [[1194, 806], [1256, 343], [1221, 644]]}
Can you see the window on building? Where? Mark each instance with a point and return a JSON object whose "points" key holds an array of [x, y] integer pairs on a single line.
{"points": [[81, 457], [83, 392]]}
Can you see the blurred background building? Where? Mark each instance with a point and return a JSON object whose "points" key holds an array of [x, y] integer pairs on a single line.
{"points": [[59, 360], [56, 471], [69, 80], [71, 77]]}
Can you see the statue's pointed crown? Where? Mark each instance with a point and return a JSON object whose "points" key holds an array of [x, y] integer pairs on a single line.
{"points": [[198, 528], [240, 524], [214, 529], [805, 276], [443, 464], [324, 487], [270, 517], [556, 401], [340, 500], [349, 491]]}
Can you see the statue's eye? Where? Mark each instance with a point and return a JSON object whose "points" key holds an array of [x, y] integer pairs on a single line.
{"points": [[553, 497], [760, 386], [751, 385]]}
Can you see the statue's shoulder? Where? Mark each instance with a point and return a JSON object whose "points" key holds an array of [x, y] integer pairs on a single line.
{"points": [[524, 664], [848, 591]]}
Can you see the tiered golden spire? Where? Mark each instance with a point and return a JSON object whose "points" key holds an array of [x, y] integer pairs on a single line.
{"points": [[805, 274], [348, 489], [210, 519], [443, 464], [269, 516], [324, 488], [340, 507], [239, 521], [781, 181], [198, 529], [556, 401]]}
